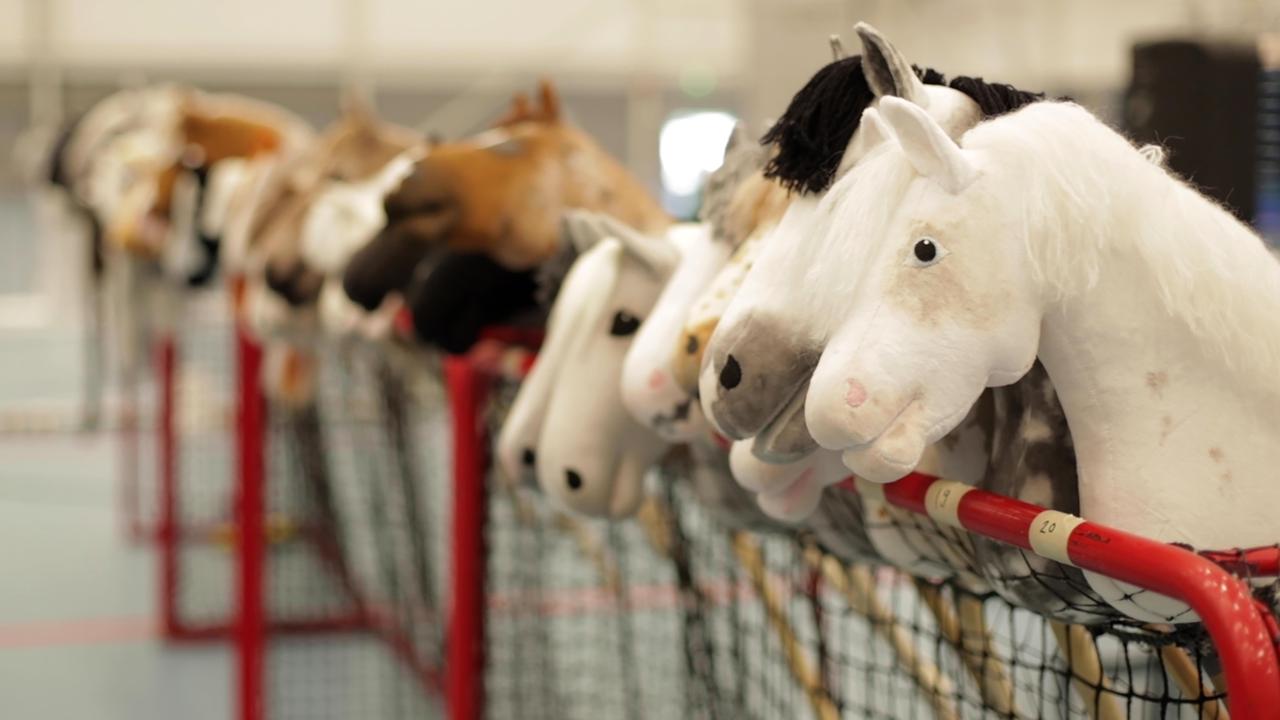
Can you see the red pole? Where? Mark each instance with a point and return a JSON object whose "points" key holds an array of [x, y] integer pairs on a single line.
{"points": [[464, 686], [1244, 643], [251, 533], [166, 364]]}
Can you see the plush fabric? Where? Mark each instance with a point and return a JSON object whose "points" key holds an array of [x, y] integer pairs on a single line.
{"points": [[768, 337], [779, 355], [568, 426], [460, 294], [1118, 269], [649, 388]]}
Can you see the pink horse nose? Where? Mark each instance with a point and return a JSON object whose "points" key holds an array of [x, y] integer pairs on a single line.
{"points": [[856, 393], [657, 379]]}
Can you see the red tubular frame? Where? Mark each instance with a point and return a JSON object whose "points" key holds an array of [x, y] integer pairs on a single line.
{"points": [[464, 669], [1240, 634], [250, 625]]}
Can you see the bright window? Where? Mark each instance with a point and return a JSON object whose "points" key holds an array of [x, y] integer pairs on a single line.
{"points": [[691, 147]]}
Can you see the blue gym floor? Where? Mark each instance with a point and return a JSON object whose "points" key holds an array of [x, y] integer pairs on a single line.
{"points": [[77, 631]]}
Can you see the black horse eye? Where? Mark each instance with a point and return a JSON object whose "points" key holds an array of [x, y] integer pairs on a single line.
{"points": [[926, 250], [624, 324]]}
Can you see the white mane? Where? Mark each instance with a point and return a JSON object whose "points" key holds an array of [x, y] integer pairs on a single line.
{"points": [[1209, 270]]}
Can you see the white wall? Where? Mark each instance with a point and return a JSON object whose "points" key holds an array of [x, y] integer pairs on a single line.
{"points": [[402, 39], [12, 30], [1069, 42]]}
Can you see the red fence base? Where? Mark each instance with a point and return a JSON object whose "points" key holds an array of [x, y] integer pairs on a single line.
{"points": [[251, 509], [1243, 638], [464, 671]]}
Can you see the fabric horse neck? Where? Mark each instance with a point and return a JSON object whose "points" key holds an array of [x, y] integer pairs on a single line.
{"points": [[1046, 232]]}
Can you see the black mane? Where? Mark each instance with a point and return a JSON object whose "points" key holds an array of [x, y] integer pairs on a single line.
{"points": [[994, 98], [811, 136]]}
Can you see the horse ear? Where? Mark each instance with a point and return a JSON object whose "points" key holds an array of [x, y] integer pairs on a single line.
{"points": [[585, 229], [581, 229], [873, 127], [838, 52], [549, 100], [657, 254], [738, 138], [871, 132], [928, 147], [887, 72], [519, 111]]}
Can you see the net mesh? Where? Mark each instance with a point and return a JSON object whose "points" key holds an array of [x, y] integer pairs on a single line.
{"points": [[680, 614], [353, 579], [684, 611]]}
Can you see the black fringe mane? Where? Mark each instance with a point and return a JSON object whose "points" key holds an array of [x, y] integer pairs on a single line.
{"points": [[811, 136], [994, 98]]}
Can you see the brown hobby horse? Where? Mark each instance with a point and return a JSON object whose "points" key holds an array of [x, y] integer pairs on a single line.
{"points": [[351, 150], [467, 230], [211, 129], [280, 289]]}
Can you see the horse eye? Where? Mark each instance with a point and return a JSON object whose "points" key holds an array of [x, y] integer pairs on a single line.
{"points": [[624, 324], [926, 252]]}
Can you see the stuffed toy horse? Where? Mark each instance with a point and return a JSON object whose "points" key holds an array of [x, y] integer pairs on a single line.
{"points": [[500, 194], [1147, 270], [312, 213], [798, 165], [342, 218], [211, 133], [568, 424], [455, 296], [650, 387], [527, 445]]}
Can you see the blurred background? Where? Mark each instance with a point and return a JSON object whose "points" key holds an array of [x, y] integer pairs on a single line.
{"points": [[657, 82]]}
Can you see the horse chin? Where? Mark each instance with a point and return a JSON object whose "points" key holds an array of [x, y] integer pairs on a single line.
{"points": [[786, 438], [796, 501], [889, 457]]}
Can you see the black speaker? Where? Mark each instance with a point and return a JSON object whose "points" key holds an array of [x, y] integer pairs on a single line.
{"points": [[1200, 101]]}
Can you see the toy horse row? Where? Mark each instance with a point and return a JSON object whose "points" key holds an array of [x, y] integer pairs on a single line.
{"points": [[909, 273], [919, 300]]}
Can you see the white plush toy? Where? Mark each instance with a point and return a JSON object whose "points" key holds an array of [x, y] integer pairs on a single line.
{"points": [[568, 424]]}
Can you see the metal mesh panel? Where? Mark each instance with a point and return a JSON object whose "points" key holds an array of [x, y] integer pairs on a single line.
{"points": [[357, 496], [677, 615], [204, 472]]}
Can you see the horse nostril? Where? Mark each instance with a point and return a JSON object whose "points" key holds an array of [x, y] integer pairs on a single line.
{"points": [[528, 457], [731, 375], [573, 479], [691, 345]]}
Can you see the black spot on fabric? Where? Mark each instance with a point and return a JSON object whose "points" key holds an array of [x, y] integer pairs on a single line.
{"points": [[624, 324], [731, 374], [209, 244]]}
